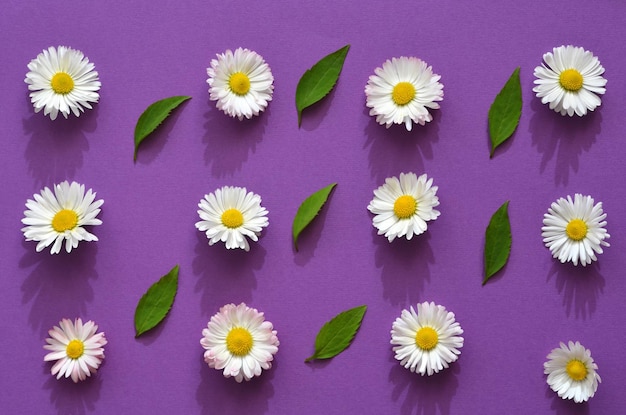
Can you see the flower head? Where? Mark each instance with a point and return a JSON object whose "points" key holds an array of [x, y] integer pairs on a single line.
{"points": [[241, 83], [572, 372], [231, 214], [574, 230], [403, 206], [62, 80], [240, 342], [570, 80], [76, 348], [428, 340], [62, 215], [402, 91]]}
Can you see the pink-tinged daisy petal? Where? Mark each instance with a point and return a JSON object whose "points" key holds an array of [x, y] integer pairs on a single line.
{"points": [[239, 342]]}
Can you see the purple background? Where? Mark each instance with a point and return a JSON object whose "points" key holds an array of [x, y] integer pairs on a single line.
{"points": [[148, 50]]}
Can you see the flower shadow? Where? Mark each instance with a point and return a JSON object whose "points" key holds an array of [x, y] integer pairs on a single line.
{"points": [[71, 398], [580, 286], [218, 395], [225, 275], [425, 395], [229, 141], [566, 406], [58, 286], [565, 136], [395, 150], [404, 267], [55, 149]]}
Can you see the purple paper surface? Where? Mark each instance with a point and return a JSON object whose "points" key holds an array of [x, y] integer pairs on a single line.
{"points": [[148, 50]]}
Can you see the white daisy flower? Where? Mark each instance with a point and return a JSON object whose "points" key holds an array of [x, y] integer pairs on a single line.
{"points": [[76, 348], [240, 342], [427, 341], [574, 230], [570, 80], [572, 372], [403, 206], [62, 80], [402, 91], [231, 214], [240, 82], [62, 215]]}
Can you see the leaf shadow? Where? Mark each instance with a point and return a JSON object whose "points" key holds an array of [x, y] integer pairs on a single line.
{"points": [[502, 147], [313, 115], [581, 287], [394, 150], [218, 395], [318, 364], [404, 267], [229, 141], [565, 406], [153, 143], [424, 395], [152, 335], [71, 398], [225, 275], [55, 148], [58, 286], [309, 237], [562, 136]]}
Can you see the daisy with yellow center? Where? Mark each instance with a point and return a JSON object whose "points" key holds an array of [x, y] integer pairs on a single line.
{"points": [[52, 218], [62, 80], [403, 206], [572, 372], [402, 91], [232, 215], [570, 80], [76, 349], [428, 340], [239, 342], [574, 230], [241, 83]]}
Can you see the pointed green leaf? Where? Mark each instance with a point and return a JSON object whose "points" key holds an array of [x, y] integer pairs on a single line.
{"points": [[497, 242], [337, 334], [156, 302], [308, 210], [318, 81], [505, 111], [153, 116]]}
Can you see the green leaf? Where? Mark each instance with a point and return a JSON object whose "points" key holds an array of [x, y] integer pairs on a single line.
{"points": [[505, 111], [153, 116], [318, 81], [156, 302], [337, 334], [308, 210], [497, 241]]}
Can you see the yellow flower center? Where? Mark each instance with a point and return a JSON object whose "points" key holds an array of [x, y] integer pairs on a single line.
{"points": [[576, 369], [403, 93], [576, 229], [405, 206], [426, 338], [232, 218], [571, 80], [75, 349], [64, 220], [239, 341], [239, 83], [62, 83]]}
